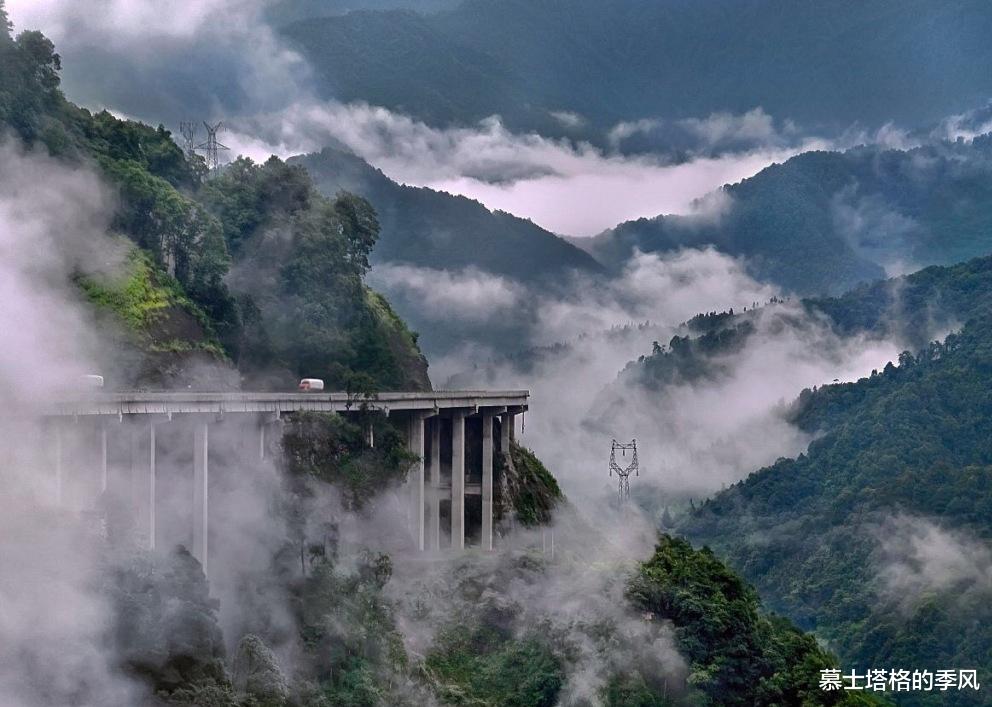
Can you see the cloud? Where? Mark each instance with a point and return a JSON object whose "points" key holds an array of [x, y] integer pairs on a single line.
{"points": [[574, 600], [918, 557], [53, 618], [574, 189], [52, 219], [694, 437], [716, 133], [126, 19], [965, 126], [205, 59], [700, 435], [601, 191], [469, 294], [874, 230], [664, 289], [221, 60], [754, 127], [568, 119], [628, 128]]}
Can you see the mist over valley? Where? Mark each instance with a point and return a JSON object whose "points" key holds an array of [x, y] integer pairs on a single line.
{"points": [[450, 352]]}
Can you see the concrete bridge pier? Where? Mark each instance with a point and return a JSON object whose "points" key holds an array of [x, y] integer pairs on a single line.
{"points": [[434, 508], [458, 479], [143, 478], [58, 462], [507, 432], [487, 481], [201, 484], [103, 457], [269, 427], [416, 446], [473, 449], [430, 413]]}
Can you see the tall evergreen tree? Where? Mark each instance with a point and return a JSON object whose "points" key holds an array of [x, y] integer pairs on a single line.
{"points": [[5, 25]]}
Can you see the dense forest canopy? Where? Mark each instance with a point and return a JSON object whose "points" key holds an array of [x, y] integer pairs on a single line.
{"points": [[848, 538], [437, 233], [823, 222], [913, 309], [261, 270], [196, 227]]}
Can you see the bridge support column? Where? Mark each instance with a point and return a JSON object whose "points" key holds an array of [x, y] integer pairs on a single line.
{"points": [[458, 480], [152, 481], [506, 432], [143, 481], [487, 482], [103, 457], [58, 462], [201, 479], [415, 440], [261, 441], [269, 426], [434, 516]]}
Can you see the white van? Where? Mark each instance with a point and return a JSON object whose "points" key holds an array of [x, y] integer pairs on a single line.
{"points": [[308, 385]]}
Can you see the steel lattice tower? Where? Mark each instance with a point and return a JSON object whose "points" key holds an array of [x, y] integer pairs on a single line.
{"points": [[211, 147], [623, 473], [188, 131]]}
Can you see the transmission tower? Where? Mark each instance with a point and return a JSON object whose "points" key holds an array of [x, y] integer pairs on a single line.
{"points": [[211, 147], [623, 473], [188, 130]]}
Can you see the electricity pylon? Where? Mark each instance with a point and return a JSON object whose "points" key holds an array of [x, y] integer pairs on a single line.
{"points": [[623, 473], [211, 147]]}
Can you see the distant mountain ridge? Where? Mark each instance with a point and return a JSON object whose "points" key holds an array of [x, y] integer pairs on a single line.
{"points": [[821, 64], [823, 222], [429, 228], [431, 236]]}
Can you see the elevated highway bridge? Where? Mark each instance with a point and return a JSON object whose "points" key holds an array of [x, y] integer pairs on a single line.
{"points": [[454, 436]]}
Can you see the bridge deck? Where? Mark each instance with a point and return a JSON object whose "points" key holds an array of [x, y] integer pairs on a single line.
{"points": [[140, 403]]}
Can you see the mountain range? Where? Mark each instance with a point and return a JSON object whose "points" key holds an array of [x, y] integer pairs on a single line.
{"points": [[873, 537], [821, 64], [823, 222], [428, 228]]}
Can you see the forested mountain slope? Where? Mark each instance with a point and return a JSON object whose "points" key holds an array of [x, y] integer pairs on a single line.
{"points": [[427, 228], [823, 222], [178, 307], [875, 537], [912, 62], [253, 267], [912, 309], [503, 652]]}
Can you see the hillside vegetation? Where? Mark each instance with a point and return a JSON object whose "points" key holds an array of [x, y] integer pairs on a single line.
{"points": [[856, 538], [823, 222], [299, 306], [255, 270], [438, 233], [912, 309], [501, 651], [428, 228]]}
